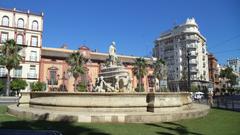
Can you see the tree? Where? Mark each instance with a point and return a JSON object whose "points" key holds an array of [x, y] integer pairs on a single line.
{"points": [[158, 67], [139, 70], [1, 85], [9, 58], [76, 62], [194, 88], [38, 86], [18, 84], [228, 73]]}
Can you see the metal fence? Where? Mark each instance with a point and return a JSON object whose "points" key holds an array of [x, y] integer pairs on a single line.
{"points": [[227, 102]]}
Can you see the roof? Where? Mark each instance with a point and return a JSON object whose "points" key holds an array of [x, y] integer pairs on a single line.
{"points": [[21, 11], [64, 53]]}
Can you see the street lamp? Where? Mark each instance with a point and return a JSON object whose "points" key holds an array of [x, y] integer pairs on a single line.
{"points": [[189, 73]]}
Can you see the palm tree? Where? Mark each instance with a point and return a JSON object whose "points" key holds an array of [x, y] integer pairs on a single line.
{"points": [[158, 67], [10, 58], [139, 70], [76, 62]]}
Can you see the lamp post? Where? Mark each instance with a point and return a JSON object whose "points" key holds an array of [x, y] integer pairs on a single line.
{"points": [[189, 73]]}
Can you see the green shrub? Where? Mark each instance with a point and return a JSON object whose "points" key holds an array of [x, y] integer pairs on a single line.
{"points": [[138, 89], [81, 87], [18, 84], [38, 86], [194, 88]]}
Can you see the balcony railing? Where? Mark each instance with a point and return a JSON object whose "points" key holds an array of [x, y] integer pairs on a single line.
{"points": [[192, 38], [193, 62], [193, 54], [192, 46], [193, 70], [32, 75], [33, 58]]}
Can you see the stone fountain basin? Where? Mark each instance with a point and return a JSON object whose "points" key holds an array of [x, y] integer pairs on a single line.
{"points": [[109, 102], [107, 107]]}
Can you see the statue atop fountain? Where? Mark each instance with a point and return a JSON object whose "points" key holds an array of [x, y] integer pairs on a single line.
{"points": [[113, 76]]}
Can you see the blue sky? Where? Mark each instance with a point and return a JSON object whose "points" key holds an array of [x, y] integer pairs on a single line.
{"points": [[134, 24]]}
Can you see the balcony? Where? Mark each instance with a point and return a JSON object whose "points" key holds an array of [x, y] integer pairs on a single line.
{"points": [[31, 75], [192, 38], [193, 70], [193, 54], [192, 46], [193, 62], [33, 58]]}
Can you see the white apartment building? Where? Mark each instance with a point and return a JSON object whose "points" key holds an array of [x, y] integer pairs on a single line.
{"points": [[173, 46], [234, 63], [26, 29]]}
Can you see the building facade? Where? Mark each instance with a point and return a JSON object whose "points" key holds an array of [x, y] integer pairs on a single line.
{"points": [[234, 63], [26, 29], [214, 71], [54, 69], [175, 46]]}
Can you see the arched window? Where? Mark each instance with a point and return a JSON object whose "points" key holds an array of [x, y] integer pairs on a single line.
{"points": [[20, 23], [35, 25], [5, 21], [19, 39]]}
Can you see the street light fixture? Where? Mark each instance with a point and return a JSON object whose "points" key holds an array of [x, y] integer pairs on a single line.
{"points": [[189, 73]]}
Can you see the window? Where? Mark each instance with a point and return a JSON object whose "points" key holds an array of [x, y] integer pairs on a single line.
{"points": [[32, 72], [4, 37], [53, 77], [203, 50], [2, 71], [20, 23], [5, 21], [19, 39], [35, 25], [203, 58], [204, 65], [18, 72], [33, 56], [34, 41]]}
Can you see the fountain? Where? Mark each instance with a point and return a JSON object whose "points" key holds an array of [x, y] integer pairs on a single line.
{"points": [[113, 76], [112, 101]]}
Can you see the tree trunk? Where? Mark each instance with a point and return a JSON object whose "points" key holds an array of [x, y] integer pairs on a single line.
{"points": [[140, 86], [8, 83], [75, 85]]}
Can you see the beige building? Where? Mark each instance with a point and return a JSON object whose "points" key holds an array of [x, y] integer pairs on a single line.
{"points": [[26, 29]]}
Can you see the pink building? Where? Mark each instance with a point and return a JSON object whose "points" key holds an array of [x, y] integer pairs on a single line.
{"points": [[54, 69]]}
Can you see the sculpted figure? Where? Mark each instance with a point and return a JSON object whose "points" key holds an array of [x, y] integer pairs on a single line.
{"points": [[112, 54], [99, 85]]}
